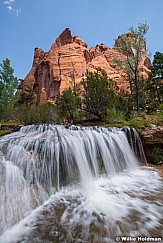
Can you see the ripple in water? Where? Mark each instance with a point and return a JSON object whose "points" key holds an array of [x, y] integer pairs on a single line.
{"points": [[105, 192], [127, 204]]}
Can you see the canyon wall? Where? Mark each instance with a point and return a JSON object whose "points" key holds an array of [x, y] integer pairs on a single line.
{"points": [[69, 58]]}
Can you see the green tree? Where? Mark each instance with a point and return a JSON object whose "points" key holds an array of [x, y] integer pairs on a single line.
{"points": [[133, 46], [42, 113], [1, 88], [154, 84], [8, 87], [26, 98], [157, 65], [98, 93], [69, 105]]}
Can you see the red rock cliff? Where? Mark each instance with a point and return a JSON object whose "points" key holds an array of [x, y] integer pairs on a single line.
{"points": [[52, 71]]}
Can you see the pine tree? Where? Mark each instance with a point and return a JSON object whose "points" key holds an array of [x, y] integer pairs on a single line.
{"points": [[69, 105], [132, 46], [98, 93], [8, 87]]}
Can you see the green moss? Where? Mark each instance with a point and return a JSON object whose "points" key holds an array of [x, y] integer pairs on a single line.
{"points": [[8, 127], [4, 132], [138, 120], [138, 124], [14, 123]]}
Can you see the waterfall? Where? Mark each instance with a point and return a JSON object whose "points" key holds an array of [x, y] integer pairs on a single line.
{"points": [[40, 160], [51, 156], [15, 195]]}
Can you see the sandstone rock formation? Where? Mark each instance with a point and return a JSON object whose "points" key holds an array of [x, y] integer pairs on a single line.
{"points": [[69, 58], [153, 135], [152, 138]]}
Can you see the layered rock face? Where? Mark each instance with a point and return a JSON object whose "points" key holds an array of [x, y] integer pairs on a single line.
{"points": [[153, 135], [152, 138], [68, 59]]}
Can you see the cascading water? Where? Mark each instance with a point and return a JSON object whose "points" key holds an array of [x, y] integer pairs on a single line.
{"points": [[96, 187]]}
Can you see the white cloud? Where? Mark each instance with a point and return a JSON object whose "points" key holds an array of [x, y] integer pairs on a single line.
{"points": [[10, 7], [18, 11], [8, 2]]}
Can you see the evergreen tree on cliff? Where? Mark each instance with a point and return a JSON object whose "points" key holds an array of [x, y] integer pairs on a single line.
{"points": [[133, 46]]}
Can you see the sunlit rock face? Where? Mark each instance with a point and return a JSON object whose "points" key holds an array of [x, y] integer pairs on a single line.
{"points": [[69, 58]]}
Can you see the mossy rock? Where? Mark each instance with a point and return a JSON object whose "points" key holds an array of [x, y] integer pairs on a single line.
{"points": [[4, 132]]}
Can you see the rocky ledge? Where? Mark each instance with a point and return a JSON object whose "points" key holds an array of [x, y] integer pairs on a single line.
{"points": [[153, 134], [9, 128], [152, 138]]}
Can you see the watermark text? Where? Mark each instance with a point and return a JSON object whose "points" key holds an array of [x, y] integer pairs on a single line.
{"points": [[137, 239]]}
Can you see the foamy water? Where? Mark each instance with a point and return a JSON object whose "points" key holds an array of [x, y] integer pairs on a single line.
{"points": [[96, 187], [126, 204]]}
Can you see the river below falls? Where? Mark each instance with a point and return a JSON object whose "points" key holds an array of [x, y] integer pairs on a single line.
{"points": [[77, 185], [127, 204]]}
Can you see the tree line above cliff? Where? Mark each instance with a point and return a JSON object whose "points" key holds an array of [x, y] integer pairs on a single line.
{"points": [[96, 96]]}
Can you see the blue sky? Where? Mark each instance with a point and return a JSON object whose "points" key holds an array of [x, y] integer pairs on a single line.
{"points": [[26, 24]]}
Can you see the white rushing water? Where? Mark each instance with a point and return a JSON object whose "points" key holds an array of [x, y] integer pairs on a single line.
{"points": [[95, 185]]}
